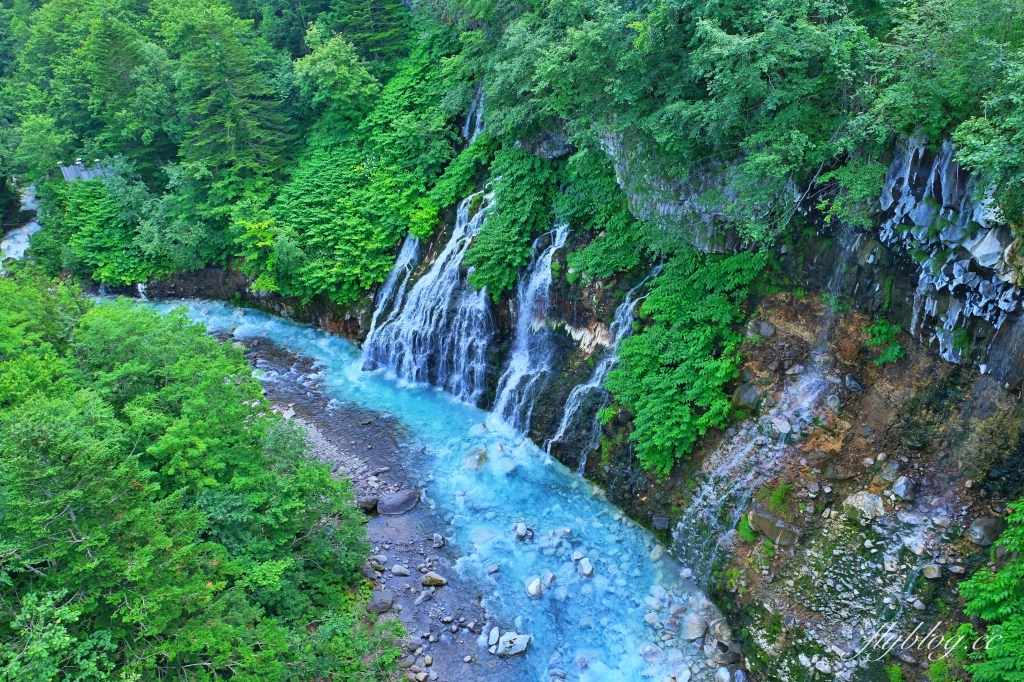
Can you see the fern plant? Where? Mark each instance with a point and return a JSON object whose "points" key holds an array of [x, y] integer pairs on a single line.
{"points": [[883, 333]]}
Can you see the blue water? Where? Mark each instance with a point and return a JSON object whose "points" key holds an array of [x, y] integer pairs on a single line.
{"points": [[598, 622]]}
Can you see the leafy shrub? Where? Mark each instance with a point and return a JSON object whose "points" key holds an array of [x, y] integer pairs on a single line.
{"points": [[883, 333], [672, 375], [744, 530]]}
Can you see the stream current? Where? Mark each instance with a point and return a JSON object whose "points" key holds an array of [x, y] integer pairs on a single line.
{"points": [[596, 627]]}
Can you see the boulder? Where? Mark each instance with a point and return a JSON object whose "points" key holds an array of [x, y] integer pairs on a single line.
{"points": [[398, 503], [367, 504], [492, 636], [852, 384], [660, 522], [723, 675], [746, 397], [863, 505], [905, 489], [585, 568], [985, 530], [381, 601], [400, 571], [651, 653], [931, 571], [837, 472], [512, 644], [438, 542], [431, 579], [891, 470], [774, 528], [693, 627], [534, 588]]}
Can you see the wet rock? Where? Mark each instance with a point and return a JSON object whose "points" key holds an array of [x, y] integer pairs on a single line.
{"points": [[431, 579], [381, 601], [438, 542], [957, 569], [833, 403], [746, 397], [492, 636], [723, 675], [660, 522], [425, 595], [863, 505], [693, 627], [682, 673], [512, 644], [774, 528], [931, 571], [400, 571], [585, 568], [985, 530], [476, 459], [398, 503], [905, 489], [919, 605], [534, 588], [657, 553], [852, 384], [823, 666], [651, 653], [521, 531], [795, 369], [760, 328], [367, 504]]}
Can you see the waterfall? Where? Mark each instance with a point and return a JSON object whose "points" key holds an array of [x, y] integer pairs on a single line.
{"points": [[393, 291], [734, 472], [474, 124], [439, 332], [530, 360], [593, 392]]}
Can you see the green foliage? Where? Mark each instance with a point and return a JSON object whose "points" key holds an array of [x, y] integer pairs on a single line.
{"points": [[744, 530], [156, 514], [672, 375], [894, 672], [522, 208], [883, 333], [997, 597]]}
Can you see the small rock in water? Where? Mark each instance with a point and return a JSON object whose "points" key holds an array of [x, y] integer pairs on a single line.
{"points": [[400, 571], [534, 588], [931, 571], [476, 459], [521, 531], [585, 568], [693, 627], [431, 579], [904, 489], [657, 552], [723, 675], [438, 541], [686, 574], [651, 653], [512, 644]]}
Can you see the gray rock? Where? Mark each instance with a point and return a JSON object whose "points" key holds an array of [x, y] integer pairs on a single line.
{"points": [[492, 636], [521, 531], [534, 588], [931, 571], [911, 442], [774, 528], [891, 471], [381, 601], [852, 384], [833, 402], [660, 522], [863, 505], [585, 568], [837, 472], [512, 644], [425, 595], [400, 571], [795, 369], [723, 675], [438, 541], [398, 503], [905, 489], [367, 504], [985, 530], [761, 328], [746, 397]]}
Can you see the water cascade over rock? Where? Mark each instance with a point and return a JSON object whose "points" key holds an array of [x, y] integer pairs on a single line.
{"points": [[734, 472], [592, 394], [442, 328], [391, 294], [529, 365]]}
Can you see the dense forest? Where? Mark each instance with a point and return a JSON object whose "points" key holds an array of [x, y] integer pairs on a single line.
{"points": [[301, 140]]}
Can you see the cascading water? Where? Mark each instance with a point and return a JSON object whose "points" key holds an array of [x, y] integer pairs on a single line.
{"points": [[442, 328], [474, 124], [530, 359], [391, 294], [592, 392], [735, 471], [16, 242]]}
